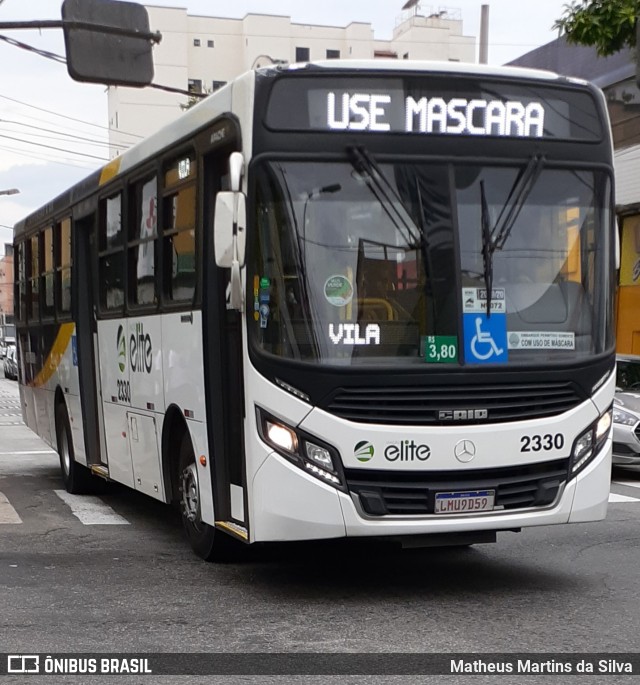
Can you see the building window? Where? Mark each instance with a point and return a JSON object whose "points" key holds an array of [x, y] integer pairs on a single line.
{"points": [[333, 54], [216, 85], [210, 44], [195, 85], [196, 42], [302, 54]]}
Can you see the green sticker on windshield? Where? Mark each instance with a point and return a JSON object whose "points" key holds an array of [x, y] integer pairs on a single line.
{"points": [[441, 349], [338, 290]]}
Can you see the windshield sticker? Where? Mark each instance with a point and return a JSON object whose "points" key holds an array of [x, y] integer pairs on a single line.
{"points": [[261, 300], [541, 340], [338, 290], [485, 338], [441, 349], [350, 334], [475, 300]]}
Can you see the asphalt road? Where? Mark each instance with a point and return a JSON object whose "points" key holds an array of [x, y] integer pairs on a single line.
{"points": [[133, 585]]}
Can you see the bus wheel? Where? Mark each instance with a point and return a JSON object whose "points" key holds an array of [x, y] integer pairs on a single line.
{"points": [[76, 477], [207, 542]]}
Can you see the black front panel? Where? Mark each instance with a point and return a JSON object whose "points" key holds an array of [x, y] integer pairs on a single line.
{"points": [[384, 493], [450, 405]]}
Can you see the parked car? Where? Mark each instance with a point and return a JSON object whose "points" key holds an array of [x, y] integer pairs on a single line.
{"points": [[11, 363], [626, 412]]}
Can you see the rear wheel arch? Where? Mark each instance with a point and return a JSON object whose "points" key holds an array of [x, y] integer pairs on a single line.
{"points": [[76, 477], [174, 427]]}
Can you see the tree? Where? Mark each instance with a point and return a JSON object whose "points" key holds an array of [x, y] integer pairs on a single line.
{"points": [[606, 25]]}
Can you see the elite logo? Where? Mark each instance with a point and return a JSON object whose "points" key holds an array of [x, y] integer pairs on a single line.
{"points": [[406, 450], [363, 451], [140, 350], [121, 345]]}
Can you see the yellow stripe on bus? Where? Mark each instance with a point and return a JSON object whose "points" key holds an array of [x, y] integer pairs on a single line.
{"points": [[58, 349], [109, 171]]}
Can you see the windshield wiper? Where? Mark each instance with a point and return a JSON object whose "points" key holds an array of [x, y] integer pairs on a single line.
{"points": [[385, 193], [515, 202], [495, 238], [487, 247]]}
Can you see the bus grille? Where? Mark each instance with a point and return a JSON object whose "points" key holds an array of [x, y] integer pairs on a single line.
{"points": [[385, 493], [424, 405]]}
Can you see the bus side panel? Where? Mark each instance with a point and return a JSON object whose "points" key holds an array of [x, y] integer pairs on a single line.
{"points": [[184, 388], [116, 397], [116, 432], [182, 362], [144, 358]]}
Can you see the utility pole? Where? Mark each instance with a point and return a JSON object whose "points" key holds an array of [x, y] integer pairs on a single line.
{"points": [[483, 55]]}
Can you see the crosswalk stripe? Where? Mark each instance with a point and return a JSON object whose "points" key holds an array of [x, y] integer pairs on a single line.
{"points": [[613, 497], [7, 513], [91, 510]]}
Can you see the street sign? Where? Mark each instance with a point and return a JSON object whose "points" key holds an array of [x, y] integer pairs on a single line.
{"points": [[117, 51]]}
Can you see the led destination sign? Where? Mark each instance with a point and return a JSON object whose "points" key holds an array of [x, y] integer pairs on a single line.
{"points": [[433, 105], [477, 117]]}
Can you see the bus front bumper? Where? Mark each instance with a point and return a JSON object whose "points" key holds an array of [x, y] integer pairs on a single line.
{"points": [[289, 504]]}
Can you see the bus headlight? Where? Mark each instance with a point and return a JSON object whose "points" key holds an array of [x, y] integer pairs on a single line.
{"points": [[282, 436], [305, 451], [590, 442]]}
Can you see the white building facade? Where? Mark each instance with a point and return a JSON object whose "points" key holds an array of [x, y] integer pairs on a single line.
{"points": [[201, 54]]}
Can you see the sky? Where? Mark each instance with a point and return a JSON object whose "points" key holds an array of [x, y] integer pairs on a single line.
{"points": [[53, 131]]}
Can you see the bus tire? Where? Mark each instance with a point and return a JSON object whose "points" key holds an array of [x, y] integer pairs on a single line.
{"points": [[76, 477], [206, 541]]}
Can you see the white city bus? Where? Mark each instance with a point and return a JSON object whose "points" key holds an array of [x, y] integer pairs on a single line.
{"points": [[340, 299]]}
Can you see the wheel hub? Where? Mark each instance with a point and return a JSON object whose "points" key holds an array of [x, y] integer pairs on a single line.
{"points": [[190, 495]]}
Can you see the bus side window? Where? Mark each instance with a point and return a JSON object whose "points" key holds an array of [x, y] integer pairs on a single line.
{"points": [[62, 253], [111, 254], [47, 269], [34, 279], [179, 229], [142, 243], [21, 282]]}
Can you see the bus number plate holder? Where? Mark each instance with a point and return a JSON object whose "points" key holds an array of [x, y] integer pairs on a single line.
{"points": [[466, 502]]}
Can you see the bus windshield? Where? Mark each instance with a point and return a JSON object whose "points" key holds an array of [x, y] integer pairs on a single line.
{"points": [[429, 263]]}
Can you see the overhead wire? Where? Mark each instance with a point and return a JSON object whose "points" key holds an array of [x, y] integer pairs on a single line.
{"points": [[65, 116], [46, 156], [91, 141], [51, 147]]}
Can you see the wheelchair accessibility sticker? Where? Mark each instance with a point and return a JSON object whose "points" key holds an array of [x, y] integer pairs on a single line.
{"points": [[485, 337]]}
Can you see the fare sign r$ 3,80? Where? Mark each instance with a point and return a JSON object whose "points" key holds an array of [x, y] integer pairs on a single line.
{"points": [[457, 116]]}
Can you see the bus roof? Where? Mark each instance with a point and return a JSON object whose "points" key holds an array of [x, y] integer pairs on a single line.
{"points": [[461, 68]]}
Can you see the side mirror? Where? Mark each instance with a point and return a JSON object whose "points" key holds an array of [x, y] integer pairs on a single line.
{"points": [[230, 229], [236, 167]]}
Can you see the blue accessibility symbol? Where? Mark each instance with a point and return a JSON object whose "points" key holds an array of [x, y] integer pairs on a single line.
{"points": [[485, 338]]}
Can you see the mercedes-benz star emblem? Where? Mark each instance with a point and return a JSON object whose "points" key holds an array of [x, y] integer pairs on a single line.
{"points": [[465, 451]]}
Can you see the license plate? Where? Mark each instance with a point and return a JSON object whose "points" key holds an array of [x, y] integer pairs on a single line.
{"points": [[464, 502]]}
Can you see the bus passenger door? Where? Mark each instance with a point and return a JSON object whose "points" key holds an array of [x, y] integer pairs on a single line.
{"points": [[222, 341], [84, 306]]}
